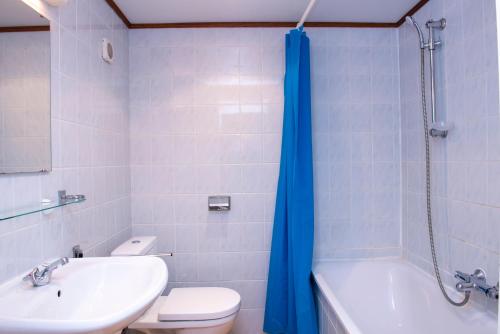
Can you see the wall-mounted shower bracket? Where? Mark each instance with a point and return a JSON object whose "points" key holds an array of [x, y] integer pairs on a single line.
{"points": [[432, 43], [438, 128], [64, 198], [440, 24]]}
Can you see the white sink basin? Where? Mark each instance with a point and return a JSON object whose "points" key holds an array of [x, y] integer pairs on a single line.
{"points": [[97, 295]]}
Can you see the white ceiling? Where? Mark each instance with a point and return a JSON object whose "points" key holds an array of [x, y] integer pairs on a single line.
{"points": [[15, 13], [172, 11]]}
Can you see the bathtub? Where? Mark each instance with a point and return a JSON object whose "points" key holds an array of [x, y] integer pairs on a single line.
{"points": [[389, 296]]}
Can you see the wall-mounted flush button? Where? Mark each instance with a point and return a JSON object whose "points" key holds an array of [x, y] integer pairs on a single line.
{"points": [[219, 203]]}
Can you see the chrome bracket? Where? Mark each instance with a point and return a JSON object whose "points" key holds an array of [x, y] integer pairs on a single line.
{"points": [[63, 197]]}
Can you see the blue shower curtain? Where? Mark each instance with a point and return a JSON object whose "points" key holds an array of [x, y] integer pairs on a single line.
{"points": [[290, 307]]}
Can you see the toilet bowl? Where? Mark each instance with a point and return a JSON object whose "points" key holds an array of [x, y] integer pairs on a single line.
{"points": [[198, 310], [191, 311]]}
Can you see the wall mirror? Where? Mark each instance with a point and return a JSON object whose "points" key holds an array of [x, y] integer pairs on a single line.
{"points": [[25, 144]]}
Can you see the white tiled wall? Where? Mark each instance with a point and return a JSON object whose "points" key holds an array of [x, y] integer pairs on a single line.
{"points": [[25, 101], [355, 89], [466, 166], [89, 145], [205, 119], [205, 116]]}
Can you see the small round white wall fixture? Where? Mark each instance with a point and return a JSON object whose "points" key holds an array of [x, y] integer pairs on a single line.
{"points": [[107, 51], [56, 3]]}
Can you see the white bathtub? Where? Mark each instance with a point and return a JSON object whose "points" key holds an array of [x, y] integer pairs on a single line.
{"points": [[389, 297]]}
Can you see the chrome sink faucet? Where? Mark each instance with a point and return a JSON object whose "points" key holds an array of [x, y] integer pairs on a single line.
{"points": [[42, 274], [476, 281]]}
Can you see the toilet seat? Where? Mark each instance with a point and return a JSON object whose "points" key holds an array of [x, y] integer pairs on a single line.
{"points": [[194, 304], [215, 307]]}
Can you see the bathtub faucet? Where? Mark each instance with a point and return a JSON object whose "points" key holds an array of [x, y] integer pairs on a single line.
{"points": [[476, 281]]}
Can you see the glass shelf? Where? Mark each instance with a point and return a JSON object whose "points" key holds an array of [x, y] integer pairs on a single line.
{"points": [[39, 207]]}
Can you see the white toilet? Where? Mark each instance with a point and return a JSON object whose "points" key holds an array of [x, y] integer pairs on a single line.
{"points": [[204, 310]]}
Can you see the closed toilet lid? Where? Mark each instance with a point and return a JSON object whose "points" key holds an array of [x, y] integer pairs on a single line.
{"points": [[184, 304]]}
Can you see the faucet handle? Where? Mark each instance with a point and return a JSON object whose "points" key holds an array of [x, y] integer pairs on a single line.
{"points": [[37, 276], [30, 276], [462, 276], [479, 274], [54, 263]]}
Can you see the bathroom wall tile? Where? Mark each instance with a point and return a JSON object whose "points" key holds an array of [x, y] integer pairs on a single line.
{"points": [[384, 147], [141, 150], [361, 117], [362, 147], [493, 181], [186, 238], [209, 267], [249, 322], [185, 265]]}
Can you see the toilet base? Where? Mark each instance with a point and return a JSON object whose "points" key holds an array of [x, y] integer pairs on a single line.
{"points": [[220, 329]]}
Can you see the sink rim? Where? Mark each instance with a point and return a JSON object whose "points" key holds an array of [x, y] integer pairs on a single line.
{"points": [[133, 309]]}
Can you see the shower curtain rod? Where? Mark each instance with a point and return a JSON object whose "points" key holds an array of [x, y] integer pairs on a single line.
{"points": [[306, 13]]}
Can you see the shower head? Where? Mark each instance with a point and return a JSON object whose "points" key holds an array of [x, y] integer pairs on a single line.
{"points": [[411, 20]]}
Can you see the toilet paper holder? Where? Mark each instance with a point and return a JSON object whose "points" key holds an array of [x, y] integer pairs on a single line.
{"points": [[219, 203]]}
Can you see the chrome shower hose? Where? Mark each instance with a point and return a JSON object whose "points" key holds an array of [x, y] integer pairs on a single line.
{"points": [[428, 189]]}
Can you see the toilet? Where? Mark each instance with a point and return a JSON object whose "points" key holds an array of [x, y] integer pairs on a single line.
{"points": [[199, 310]]}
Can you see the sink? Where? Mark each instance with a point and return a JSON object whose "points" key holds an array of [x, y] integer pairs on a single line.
{"points": [[89, 295]]}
